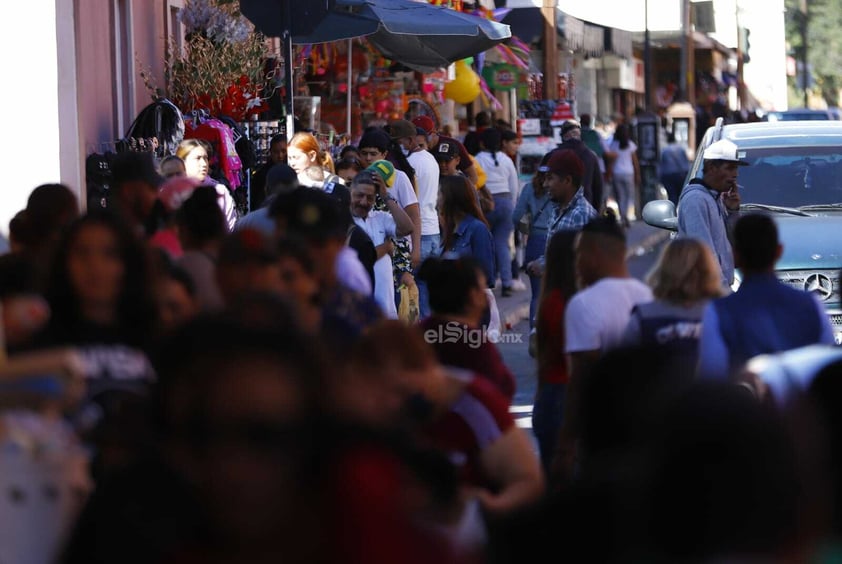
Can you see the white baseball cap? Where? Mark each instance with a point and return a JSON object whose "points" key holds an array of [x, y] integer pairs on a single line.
{"points": [[724, 150]]}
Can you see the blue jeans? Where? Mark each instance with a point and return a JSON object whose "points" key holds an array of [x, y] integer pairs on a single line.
{"points": [[547, 415], [430, 247], [624, 193], [502, 227], [535, 247]]}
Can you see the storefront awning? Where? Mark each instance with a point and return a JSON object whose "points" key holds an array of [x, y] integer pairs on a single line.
{"points": [[578, 36], [618, 42]]}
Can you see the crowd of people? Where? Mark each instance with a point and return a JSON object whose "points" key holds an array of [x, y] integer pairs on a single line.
{"points": [[248, 391]]}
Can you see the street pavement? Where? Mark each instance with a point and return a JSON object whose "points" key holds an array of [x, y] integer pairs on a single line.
{"points": [[643, 242]]}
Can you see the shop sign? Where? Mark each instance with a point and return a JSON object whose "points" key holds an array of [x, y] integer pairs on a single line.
{"points": [[501, 76], [530, 126]]}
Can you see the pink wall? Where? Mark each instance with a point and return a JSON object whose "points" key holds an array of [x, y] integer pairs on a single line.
{"points": [[96, 78], [95, 64]]}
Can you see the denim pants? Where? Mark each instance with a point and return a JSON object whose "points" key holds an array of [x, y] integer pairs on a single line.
{"points": [[535, 246], [624, 193], [430, 247], [547, 415], [502, 228]]}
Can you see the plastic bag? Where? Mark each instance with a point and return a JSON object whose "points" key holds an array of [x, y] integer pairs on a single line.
{"points": [[408, 310], [495, 325]]}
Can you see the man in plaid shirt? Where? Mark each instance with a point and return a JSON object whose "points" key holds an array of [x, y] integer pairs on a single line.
{"points": [[563, 172]]}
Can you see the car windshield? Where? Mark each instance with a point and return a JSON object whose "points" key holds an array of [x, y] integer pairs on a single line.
{"points": [[792, 177], [797, 116]]}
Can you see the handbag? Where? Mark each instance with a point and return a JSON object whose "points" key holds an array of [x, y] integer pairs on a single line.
{"points": [[408, 310], [495, 324], [525, 223]]}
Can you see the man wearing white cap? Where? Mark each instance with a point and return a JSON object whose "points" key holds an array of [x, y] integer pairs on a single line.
{"points": [[706, 204]]}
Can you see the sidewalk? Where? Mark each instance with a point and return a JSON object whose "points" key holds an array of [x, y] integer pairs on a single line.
{"points": [[515, 308]]}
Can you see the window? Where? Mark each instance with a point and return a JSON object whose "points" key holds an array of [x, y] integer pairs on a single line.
{"points": [[175, 30], [124, 66]]}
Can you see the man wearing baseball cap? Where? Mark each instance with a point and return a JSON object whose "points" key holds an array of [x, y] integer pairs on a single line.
{"points": [[708, 203], [427, 183], [571, 138], [563, 173], [466, 165]]}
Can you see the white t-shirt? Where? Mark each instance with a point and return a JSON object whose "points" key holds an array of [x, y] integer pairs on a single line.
{"points": [[596, 317], [227, 205], [351, 271], [404, 194], [402, 189], [500, 178], [427, 173], [623, 164], [379, 225]]}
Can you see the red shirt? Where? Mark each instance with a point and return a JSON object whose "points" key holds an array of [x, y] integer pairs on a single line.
{"points": [[465, 347], [477, 419], [552, 362]]}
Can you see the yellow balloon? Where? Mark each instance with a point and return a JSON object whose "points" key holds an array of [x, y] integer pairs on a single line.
{"points": [[465, 88]]}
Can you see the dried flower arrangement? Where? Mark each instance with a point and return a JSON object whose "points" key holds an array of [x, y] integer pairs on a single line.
{"points": [[222, 67]]}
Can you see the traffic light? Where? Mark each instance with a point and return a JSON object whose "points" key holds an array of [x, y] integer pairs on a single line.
{"points": [[746, 35]]}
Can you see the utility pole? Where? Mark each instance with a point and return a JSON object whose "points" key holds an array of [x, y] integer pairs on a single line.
{"points": [[647, 59], [550, 50], [740, 60], [805, 79], [688, 47]]}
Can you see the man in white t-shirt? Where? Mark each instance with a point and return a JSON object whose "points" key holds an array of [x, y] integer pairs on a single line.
{"points": [[374, 145], [381, 226], [596, 316], [427, 174]]}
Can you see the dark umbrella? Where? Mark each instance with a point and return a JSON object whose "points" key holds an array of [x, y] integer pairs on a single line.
{"points": [[417, 34]]}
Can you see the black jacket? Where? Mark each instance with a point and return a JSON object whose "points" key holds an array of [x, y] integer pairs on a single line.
{"points": [[592, 180]]}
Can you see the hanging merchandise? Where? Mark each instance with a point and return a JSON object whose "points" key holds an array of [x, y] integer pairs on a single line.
{"points": [[160, 121], [465, 88], [221, 138]]}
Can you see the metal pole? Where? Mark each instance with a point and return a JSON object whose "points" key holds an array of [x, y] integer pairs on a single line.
{"points": [[647, 59], [740, 62], [688, 46], [550, 50], [286, 46], [348, 108], [804, 76]]}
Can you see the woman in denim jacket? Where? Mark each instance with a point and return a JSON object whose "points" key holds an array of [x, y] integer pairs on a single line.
{"points": [[534, 199], [465, 230]]}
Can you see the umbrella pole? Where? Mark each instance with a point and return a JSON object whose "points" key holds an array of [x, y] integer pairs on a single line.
{"points": [[350, 70]]}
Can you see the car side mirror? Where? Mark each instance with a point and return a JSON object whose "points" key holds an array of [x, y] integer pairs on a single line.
{"points": [[661, 213]]}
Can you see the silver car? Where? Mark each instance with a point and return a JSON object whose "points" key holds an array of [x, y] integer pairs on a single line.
{"points": [[795, 175]]}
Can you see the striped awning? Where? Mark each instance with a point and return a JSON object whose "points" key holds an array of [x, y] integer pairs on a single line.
{"points": [[594, 44], [618, 42]]}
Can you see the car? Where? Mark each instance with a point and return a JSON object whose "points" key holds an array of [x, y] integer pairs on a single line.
{"points": [[786, 375], [795, 174], [800, 114]]}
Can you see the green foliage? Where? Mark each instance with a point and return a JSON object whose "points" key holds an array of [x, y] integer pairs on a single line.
{"points": [[824, 44]]}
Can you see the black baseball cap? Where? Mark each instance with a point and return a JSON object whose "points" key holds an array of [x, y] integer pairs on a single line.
{"points": [[446, 151]]}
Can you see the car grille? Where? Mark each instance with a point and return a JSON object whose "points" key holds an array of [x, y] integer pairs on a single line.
{"points": [[823, 283]]}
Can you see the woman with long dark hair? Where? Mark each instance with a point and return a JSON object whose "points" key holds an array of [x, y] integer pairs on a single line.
{"points": [[559, 285], [100, 293], [465, 230], [625, 170], [502, 183]]}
